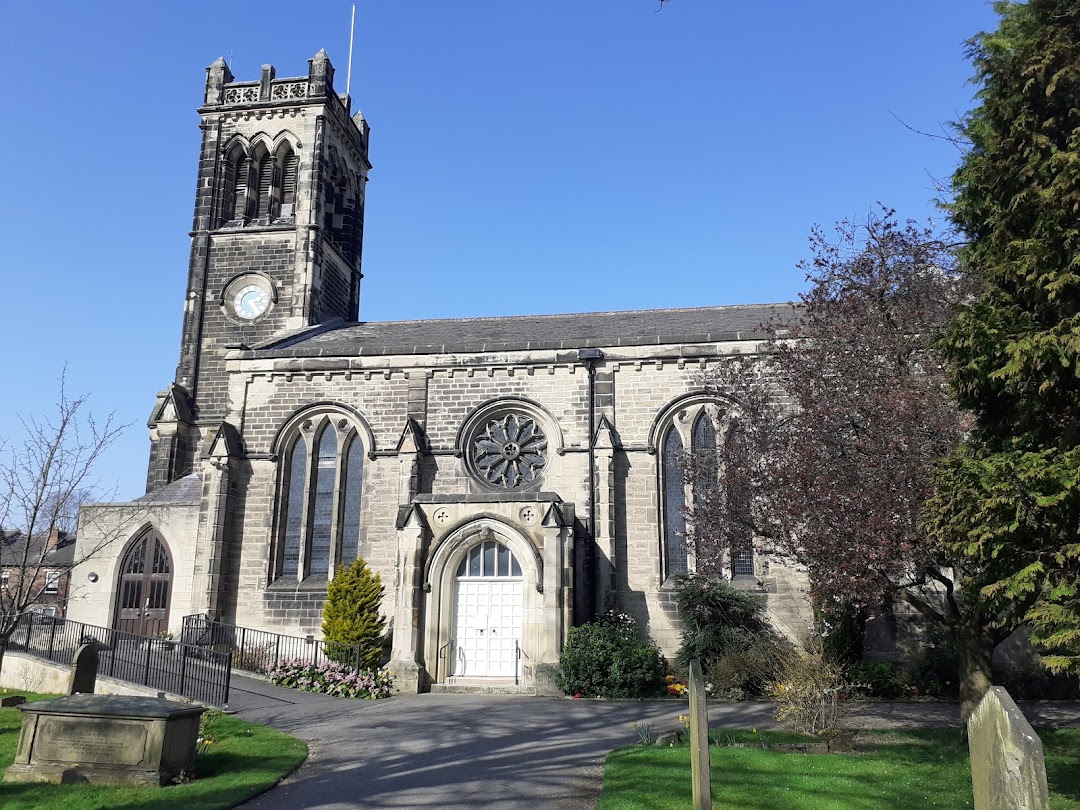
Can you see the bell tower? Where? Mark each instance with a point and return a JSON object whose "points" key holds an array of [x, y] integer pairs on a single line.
{"points": [[276, 243]]}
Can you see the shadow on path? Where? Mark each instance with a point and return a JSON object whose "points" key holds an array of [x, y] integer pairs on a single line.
{"points": [[496, 751]]}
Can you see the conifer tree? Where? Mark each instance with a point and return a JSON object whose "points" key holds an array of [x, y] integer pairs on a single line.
{"points": [[351, 615], [1007, 501]]}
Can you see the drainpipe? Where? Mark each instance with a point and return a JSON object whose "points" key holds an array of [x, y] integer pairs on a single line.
{"points": [[589, 357]]}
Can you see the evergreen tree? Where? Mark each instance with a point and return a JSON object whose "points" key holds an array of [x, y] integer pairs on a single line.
{"points": [[1006, 501], [351, 615]]}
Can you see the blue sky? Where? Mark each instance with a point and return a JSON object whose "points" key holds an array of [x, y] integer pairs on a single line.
{"points": [[530, 157]]}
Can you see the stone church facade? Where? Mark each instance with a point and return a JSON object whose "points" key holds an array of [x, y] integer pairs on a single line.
{"points": [[508, 478]]}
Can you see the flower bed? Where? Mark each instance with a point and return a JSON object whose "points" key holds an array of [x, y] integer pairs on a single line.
{"points": [[331, 678], [676, 687]]}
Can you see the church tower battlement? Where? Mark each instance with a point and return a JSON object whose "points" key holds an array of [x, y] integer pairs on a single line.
{"points": [[276, 242]]}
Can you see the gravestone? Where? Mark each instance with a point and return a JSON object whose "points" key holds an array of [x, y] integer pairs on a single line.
{"points": [[1007, 767], [84, 666], [105, 740], [700, 767]]}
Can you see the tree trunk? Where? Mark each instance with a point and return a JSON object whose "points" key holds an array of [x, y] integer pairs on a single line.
{"points": [[976, 655]]}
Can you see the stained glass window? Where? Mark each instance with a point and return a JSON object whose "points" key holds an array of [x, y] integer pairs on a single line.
{"points": [[674, 504], [294, 514], [322, 519], [321, 499], [352, 484]]}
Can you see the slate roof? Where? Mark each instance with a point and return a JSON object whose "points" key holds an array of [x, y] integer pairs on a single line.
{"points": [[529, 332], [13, 545], [183, 490]]}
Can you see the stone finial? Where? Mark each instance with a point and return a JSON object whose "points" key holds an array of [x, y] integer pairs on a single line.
{"points": [[362, 125], [320, 75], [217, 76], [267, 76]]}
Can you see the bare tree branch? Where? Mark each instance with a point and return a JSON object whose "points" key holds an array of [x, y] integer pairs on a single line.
{"points": [[46, 476]]}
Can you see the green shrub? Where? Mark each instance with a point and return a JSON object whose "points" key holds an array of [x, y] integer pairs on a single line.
{"points": [[607, 658], [750, 670], [882, 679], [1035, 682], [717, 619], [937, 671], [842, 634], [351, 616], [729, 632]]}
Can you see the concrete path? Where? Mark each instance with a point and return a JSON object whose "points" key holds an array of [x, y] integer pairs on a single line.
{"points": [[493, 752]]}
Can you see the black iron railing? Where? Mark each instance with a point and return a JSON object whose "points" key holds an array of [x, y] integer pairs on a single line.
{"points": [[160, 663], [260, 650]]}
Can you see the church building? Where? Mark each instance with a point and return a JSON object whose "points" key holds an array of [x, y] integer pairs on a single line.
{"points": [[508, 478]]}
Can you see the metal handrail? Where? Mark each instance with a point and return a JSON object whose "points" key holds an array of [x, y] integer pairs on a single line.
{"points": [[160, 663], [260, 651]]}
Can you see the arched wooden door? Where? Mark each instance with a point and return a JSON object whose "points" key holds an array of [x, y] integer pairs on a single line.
{"points": [[142, 594]]}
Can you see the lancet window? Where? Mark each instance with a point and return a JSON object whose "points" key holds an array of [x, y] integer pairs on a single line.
{"points": [[695, 431], [320, 498]]}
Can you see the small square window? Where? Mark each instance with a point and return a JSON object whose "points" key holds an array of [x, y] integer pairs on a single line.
{"points": [[5, 577]]}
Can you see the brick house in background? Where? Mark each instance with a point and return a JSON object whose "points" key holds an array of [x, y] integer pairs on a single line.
{"points": [[48, 559]]}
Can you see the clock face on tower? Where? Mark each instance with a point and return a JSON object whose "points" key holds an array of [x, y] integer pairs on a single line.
{"points": [[248, 297], [251, 302]]}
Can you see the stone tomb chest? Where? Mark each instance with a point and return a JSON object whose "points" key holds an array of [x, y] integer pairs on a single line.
{"points": [[105, 740]]}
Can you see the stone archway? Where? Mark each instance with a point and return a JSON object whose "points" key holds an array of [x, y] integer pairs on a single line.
{"points": [[462, 599], [144, 587]]}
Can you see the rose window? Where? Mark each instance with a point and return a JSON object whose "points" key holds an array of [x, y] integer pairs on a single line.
{"points": [[509, 451]]}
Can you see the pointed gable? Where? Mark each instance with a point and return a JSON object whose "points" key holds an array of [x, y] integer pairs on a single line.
{"points": [[413, 438]]}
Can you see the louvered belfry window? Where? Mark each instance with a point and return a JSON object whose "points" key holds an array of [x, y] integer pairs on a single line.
{"points": [[288, 182], [266, 184], [228, 190], [240, 188]]}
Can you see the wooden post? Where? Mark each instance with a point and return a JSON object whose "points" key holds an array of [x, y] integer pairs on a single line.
{"points": [[700, 768]]}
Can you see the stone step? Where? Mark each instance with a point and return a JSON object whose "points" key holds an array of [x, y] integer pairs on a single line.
{"points": [[481, 689]]}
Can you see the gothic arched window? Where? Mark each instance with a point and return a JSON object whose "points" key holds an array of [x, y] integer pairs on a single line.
{"points": [[674, 505], [320, 498], [691, 437]]}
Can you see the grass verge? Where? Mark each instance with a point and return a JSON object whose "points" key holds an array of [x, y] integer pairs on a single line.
{"points": [[244, 760], [911, 769]]}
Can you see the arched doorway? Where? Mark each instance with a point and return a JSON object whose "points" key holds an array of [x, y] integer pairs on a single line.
{"points": [[488, 610], [144, 587]]}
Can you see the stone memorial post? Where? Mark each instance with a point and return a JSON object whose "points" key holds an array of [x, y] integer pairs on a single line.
{"points": [[1007, 767], [84, 666], [700, 767]]}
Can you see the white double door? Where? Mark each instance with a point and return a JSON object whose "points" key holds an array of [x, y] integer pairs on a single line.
{"points": [[487, 627]]}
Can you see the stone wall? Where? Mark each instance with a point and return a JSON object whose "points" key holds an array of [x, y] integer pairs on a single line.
{"points": [[25, 673]]}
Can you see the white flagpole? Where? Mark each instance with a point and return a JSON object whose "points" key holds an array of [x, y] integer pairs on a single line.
{"points": [[352, 28]]}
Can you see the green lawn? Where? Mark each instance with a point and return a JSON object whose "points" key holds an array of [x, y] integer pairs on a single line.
{"points": [[244, 760], [914, 769]]}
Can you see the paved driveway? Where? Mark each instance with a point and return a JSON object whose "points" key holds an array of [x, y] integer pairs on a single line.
{"points": [[490, 752]]}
